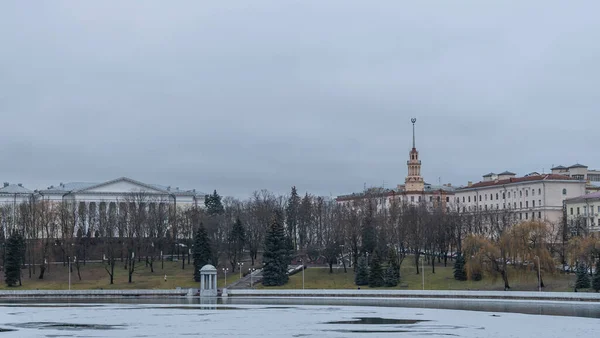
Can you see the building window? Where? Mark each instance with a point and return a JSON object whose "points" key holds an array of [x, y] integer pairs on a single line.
{"points": [[469, 199], [491, 197], [412, 198], [496, 196], [463, 199], [479, 198], [486, 207], [564, 191], [521, 205], [526, 215], [447, 199], [533, 215], [509, 194], [430, 198], [438, 198], [503, 195], [539, 191], [497, 206], [486, 197], [533, 203], [577, 210], [526, 193], [526, 204], [520, 216], [520, 193], [540, 203], [539, 214], [419, 198], [515, 205], [532, 193], [571, 211], [464, 209], [503, 205]]}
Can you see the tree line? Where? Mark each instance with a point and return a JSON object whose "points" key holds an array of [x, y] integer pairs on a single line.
{"points": [[275, 230]]}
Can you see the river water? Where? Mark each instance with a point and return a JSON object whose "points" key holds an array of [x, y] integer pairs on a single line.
{"points": [[278, 317]]}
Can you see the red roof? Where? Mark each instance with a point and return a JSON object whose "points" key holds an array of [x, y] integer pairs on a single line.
{"points": [[520, 179]]}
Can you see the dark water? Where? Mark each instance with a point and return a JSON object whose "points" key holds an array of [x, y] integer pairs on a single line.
{"points": [[546, 308]]}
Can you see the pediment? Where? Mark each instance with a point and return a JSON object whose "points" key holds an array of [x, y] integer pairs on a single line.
{"points": [[121, 185]]}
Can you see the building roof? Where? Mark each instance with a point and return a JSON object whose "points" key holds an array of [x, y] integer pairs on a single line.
{"points": [[74, 187], [511, 180], [14, 189], [489, 175], [506, 173], [594, 195], [558, 167], [578, 165]]}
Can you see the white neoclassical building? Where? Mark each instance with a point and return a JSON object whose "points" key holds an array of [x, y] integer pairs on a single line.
{"points": [[95, 198], [531, 197], [584, 211]]}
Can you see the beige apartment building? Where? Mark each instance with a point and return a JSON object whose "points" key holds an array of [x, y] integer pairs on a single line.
{"points": [[583, 212], [531, 197]]}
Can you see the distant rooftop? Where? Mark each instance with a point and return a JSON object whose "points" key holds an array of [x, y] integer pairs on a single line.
{"points": [[14, 189], [594, 195], [518, 179]]}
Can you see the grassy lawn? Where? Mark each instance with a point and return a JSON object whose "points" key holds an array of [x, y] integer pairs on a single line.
{"points": [[93, 276], [443, 279]]}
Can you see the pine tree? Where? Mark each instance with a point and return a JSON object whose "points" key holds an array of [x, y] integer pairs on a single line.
{"points": [[362, 272], [375, 271], [391, 275], [369, 234], [276, 257], [292, 211], [460, 273], [236, 240], [596, 280], [13, 259], [202, 251], [583, 280], [213, 204]]}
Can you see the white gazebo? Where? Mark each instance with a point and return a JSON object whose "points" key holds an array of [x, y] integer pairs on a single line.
{"points": [[208, 281]]}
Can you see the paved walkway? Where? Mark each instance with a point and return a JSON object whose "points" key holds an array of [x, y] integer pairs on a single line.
{"points": [[248, 282]]}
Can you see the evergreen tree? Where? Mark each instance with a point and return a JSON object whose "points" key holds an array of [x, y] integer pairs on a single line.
{"points": [[391, 275], [13, 259], [460, 273], [596, 280], [236, 240], [362, 272], [202, 251], [583, 280], [292, 211], [375, 271], [369, 234], [213, 204], [276, 257]]}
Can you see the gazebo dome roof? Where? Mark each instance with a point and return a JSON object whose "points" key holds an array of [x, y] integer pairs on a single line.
{"points": [[208, 267]]}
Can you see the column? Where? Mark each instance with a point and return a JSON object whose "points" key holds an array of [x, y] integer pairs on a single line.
{"points": [[201, 283]]}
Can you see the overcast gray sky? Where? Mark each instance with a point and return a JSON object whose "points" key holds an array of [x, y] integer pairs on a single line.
{"points": [[318, 94]]}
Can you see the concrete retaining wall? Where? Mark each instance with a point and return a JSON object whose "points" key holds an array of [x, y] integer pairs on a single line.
{"points": [[515, 295], [92, 293]]}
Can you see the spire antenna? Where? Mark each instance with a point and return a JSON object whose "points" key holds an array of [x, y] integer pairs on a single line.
{"points": [[413, 120]]}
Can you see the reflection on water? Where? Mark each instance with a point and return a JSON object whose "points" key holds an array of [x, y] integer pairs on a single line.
{"points": [[377, 321]]}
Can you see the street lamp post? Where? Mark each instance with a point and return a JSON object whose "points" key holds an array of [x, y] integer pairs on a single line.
{"points": [[302, 261], [539, 274], [423, 270], [240, 266], [225, 271], [74, 260], [251, 281]]}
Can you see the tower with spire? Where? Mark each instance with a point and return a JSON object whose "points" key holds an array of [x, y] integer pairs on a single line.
{"points": [[414, 181]]}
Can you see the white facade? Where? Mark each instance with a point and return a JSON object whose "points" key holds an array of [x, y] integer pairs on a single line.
{"points": [[529, 198], [584, 212]]}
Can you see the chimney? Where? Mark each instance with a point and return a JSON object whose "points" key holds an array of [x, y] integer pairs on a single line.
{"points": [[469, 184], [6, 184]]}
